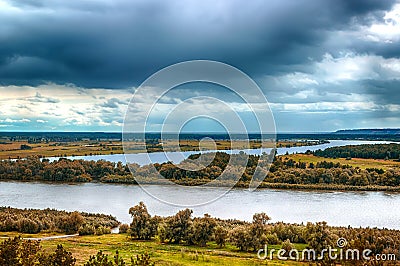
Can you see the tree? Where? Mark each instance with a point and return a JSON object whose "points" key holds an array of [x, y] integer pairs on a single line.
{"points": [[202, 230], [220, 236], [240, 237], [70, 224], [9, 251], [287, 246], [143, 226], [318, 236], [28, 252], [178, 226], [60, 257], [257, 230]]}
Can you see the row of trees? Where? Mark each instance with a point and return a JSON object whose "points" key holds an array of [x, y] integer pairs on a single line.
{"points": [[224, 167], [64, 170], [367, 151], [251, 236], [34, 221], [282, 171]]}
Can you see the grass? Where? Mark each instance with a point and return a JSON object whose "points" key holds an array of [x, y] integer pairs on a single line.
{"points": [[38, 235], [355, 162], [82, 247]]}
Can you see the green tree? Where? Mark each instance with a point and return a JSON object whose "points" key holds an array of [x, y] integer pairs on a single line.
{"points": [[220, 236], [143, 226], [202, 230], [9, 252], [179, 226], [240, 237], [60, 257]]}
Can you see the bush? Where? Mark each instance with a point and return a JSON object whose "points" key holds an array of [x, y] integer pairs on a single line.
{"points": [[86, 229], [70, 224], [240, 237], [102, 231], [34, 221], [220, 236], [202, 230], [60, 257], [29, 226], [102, 260], [123, 228], [18, 252], [287, 246], [272, 239]]}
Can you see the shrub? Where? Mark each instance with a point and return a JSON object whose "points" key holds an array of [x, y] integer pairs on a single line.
{"points": [[220, 236], [102, 231], [123, 228], [29, 226], [70, 224], [86, 229]]}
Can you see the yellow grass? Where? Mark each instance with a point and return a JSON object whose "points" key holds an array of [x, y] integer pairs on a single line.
{"points": [[355, 162]]}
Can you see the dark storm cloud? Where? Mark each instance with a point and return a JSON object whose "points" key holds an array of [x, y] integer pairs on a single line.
{"points": [[118, 44]]}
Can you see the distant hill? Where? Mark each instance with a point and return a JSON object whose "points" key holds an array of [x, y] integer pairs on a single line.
{"points": [[375, 131]]}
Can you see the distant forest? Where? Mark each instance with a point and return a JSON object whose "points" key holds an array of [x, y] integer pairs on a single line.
{"points": [[367, 151], [390, 134]]}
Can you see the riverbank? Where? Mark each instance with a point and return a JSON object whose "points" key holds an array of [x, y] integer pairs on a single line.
{"points": [[263, 185]]}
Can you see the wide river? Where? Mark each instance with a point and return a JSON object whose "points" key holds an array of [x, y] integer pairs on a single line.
{"points": [[373, 209], [337, 208], [177, 157]]}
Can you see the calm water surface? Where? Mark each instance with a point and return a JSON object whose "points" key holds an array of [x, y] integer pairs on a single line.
{"points": [[176, 157], [374, 209]]}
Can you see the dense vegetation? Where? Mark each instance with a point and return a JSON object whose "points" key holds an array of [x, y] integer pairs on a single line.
{"points": [[366, 151], [184, 229], [252, 236], [283, 172], [35, 221], [62, 170], [18, 252]]}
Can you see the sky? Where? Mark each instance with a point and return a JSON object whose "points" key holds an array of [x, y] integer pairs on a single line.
{"points": [[322, 65]]}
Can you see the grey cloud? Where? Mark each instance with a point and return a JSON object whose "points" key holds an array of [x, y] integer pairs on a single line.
{"points": [[39, 98], [383, 91], [113, 103]]}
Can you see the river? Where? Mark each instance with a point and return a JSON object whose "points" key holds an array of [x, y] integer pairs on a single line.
{"points": [[374, 209], [177, 157]]}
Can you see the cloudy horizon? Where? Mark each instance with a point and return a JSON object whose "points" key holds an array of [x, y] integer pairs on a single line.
{"points": [[322, 65]]}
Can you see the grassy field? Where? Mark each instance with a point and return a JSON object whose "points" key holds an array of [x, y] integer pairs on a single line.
{"points": [[162, 254], [355, 162], [80, 148]]}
